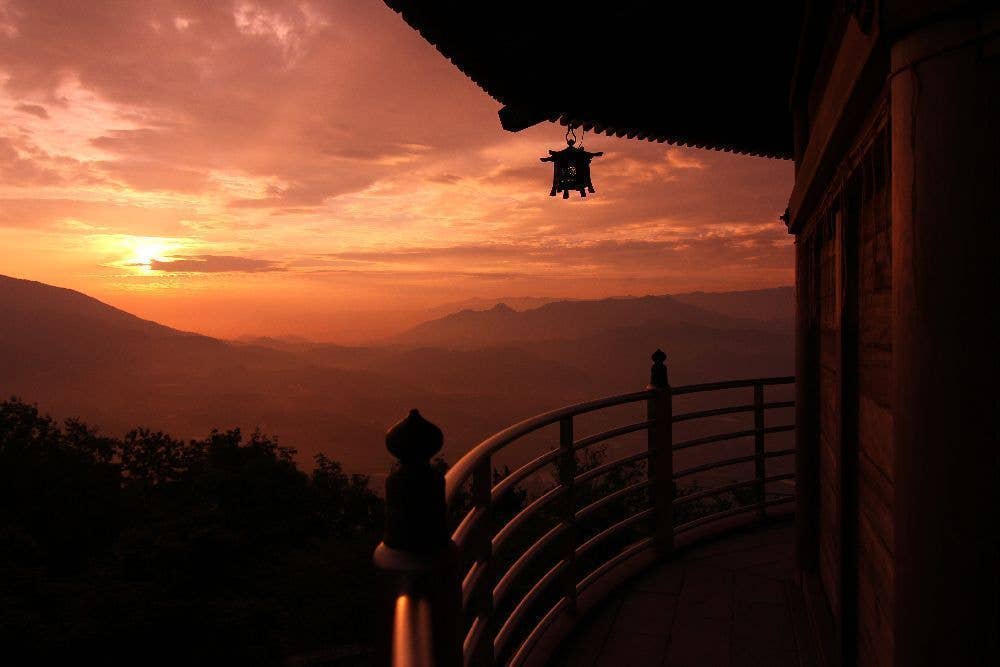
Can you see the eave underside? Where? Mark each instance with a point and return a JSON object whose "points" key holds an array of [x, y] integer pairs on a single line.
{"points": [[697, 75]]}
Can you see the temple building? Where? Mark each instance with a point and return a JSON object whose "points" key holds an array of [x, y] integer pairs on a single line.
{"points": [[890, 110]]}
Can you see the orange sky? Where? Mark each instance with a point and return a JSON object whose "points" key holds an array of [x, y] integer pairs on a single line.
{"points": [[316, 168]]}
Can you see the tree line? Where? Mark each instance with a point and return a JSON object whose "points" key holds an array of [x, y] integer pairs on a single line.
{"points": [[153, 550]]}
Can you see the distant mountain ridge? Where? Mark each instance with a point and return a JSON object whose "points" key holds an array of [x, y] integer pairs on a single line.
{"points": [[472, 372], [34, 301], [774, 304], [485, 303], [586, 317]]}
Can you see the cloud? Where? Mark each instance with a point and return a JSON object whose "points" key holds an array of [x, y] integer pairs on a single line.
{"points": [[214, 264], [52, 214], [152, 176], [752, 247], [16, 169], [444, 178], [33, 109]]}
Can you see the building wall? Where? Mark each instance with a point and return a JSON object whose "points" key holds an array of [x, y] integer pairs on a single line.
{"points": [[872, 231], [945, 106], [849, 239], [895, 211], [829, 410]]}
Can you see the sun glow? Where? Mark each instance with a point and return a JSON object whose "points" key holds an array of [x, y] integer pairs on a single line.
{"points": [[145, 250], [138, 254]]}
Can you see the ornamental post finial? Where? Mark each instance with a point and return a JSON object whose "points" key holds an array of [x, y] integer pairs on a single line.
{"points": [[415, 511], [658, 372]]}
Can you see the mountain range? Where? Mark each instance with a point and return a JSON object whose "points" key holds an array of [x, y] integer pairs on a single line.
{"points": [[471, 372]]}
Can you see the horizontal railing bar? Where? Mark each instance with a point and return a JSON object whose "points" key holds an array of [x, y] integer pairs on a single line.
{"points": [[730, 512], [700, 414], [508, 482], [612, 433], [719, 437], [780, 429], [600, 570], [525, 514], [466, 526], [715, 516], [461, 471], [471, 581], [472, 638], [730, 384], [732, 409], [779, 452], [605, 468], [711, 465], [503, 636], [714, 491], [525, 648], [597, 504], [500, 590], [611, 530]]}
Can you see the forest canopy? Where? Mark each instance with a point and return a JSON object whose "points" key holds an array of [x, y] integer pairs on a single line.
{"points": [[156, 550]]}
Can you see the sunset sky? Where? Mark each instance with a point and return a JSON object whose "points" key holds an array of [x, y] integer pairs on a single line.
{"points": [[317, 169]]}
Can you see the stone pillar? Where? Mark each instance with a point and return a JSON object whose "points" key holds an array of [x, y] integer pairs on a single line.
{"points": [[945, 117], [417, 555]]}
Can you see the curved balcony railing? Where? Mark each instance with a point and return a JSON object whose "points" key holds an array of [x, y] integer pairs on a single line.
{"points": [[501, 586]]}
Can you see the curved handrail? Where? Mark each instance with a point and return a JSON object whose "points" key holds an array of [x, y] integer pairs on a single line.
{"points": [[459, 473], [465, 468], [500, 590], [487, 584], [731, 384]]}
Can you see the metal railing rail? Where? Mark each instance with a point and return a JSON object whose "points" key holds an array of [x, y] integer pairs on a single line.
{"points": [[481, 583]]}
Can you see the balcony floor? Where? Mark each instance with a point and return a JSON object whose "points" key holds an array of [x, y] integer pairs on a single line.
{"points": [[728, 602]]}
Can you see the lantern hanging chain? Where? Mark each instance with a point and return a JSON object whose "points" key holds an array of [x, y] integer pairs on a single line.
{"points": [[570, 135]]}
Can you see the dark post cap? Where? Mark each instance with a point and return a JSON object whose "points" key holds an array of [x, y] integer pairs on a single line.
{"points": [[658, 373], [414, 439]]}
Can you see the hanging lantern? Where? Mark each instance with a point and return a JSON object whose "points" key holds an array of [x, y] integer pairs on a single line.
{"points": [[571, 168]]}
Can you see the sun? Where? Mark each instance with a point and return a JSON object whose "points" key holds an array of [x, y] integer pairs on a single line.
{"points": [[139, 254], [145, 250]]}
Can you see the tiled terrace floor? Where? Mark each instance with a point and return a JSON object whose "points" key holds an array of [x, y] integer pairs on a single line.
{"points": [[729, 602]]}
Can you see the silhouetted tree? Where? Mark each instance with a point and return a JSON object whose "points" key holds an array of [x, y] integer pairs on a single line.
{"points": [[154, 550]]}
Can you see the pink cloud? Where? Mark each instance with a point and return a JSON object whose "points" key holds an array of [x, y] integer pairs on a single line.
{"points": [[36, 110]]}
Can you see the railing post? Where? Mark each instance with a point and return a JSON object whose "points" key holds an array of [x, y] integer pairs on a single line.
{"points": [[659, 411], [758, 446], [571, 538], [417, 553], [482, 552]]}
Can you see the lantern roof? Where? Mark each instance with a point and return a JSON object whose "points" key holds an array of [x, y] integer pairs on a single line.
{"points": [[704, 74], [572, 150]]}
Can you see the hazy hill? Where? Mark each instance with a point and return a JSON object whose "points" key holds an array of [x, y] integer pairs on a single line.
{"points": [[580, 318], [472, 372], [76, 356], [775, 305], [482, 303]]}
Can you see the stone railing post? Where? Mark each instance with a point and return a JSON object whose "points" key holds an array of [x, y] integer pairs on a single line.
{"points": [[417, 555], [659, 410]]}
